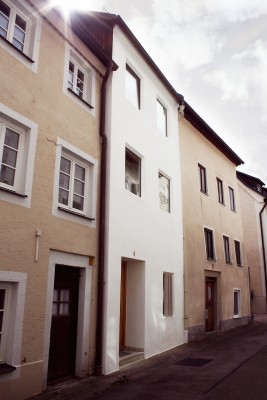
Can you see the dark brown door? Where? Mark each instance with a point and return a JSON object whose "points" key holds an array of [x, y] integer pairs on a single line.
{"points": [[210, 312], [123, 305], [63, 334]]}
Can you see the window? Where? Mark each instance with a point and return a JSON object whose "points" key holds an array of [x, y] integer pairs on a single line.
{"points": [[161, 118], [75, 184], [202, 179], [20, 27], [80, 79], [132, 87], [132, 172], [12, 298], [17, 151], [12, 26], [238, 253], [220, 191], [73, 178], [164, 193], [237, 305], [232, 198], [209, 243], [168, 294], [227, 253]]}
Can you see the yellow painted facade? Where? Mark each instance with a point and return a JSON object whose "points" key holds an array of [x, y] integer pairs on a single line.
{"points": [[40, 96], [202, 211]]}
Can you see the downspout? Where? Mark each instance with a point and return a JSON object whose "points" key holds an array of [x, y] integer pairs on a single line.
{"points": [[102, 226], [263, 244]]}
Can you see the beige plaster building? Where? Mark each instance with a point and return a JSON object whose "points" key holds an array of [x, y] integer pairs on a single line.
{"points": [[252, 194], [216, 274], [50, 96]]}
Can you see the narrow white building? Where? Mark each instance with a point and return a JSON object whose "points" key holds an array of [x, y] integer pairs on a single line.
{"points": [[143, 278]]}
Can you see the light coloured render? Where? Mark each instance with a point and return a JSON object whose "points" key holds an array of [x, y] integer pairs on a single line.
{"points": [[211, 278]]}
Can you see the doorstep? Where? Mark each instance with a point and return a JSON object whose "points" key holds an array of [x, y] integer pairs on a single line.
{"points": [[130, 356]]}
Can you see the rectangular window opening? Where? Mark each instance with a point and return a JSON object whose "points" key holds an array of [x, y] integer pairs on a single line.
{"points": [[132, 87], [227, 253], [209, 243], [232, 199], [237, 305], [164, 193], [168, 279], [161, 118], [132, 172], [238, 253], [220, 191], [202, 179]]}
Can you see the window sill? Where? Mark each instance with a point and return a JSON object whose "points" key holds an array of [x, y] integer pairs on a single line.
{"points": [[16, 49], [206, 193], [75, 213], [211, 259], [5, 368], [236, 316], [13, 192], [82, 100]]}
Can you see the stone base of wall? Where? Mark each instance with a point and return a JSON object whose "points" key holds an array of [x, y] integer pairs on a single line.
{"points": [[234, 322], [196, 332]]}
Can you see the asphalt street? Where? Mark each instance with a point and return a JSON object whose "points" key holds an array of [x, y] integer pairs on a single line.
{"points": [[228, 365]]}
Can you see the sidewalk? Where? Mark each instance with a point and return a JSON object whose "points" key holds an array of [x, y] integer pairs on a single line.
{"points": [[205, 369]]}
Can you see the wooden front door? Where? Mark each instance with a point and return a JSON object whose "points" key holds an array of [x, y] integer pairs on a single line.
{"points": [[62, 352], [123, 305], [210, 311]]}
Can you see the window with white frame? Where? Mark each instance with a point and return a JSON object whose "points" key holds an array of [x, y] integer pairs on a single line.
{"points": [[232, 199], [132, 172], [237, 303], [12, 299], [209, 244], [168, 281], [161, 118], [227, 251], [20, 26], [132, 87], [238, 253], [4, 319], [164, 193], [80, 78], [75, 185], [17, 150]]}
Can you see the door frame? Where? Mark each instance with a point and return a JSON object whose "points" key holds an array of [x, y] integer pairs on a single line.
{"points": [[212, 280], [84, 309], [123, 307]]}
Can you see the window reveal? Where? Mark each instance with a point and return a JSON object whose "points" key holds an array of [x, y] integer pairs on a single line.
{"points": [[232, 199], [132, 87], [132, 173], [168, 294], [227, 254], [164, 193], [161, 118], [220, 191], [76, 79], [238, 253], [209, 243], [202, 179]]}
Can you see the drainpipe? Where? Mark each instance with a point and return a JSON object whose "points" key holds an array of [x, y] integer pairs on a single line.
{"points": [[102, 227], [263, 244]]}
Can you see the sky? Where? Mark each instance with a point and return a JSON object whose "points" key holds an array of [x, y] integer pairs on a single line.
{"points": [[214, 53]]}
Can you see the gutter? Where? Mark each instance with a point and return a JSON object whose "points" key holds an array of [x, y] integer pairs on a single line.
{"points": [[263, 244], [102, 226]]}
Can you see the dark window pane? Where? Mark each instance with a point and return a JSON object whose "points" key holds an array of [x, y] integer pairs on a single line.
{"points": [[21, 22], [2, 298], [78, 187], [65, 165], [132, 87], [7, 175], [63, 197], [78, 202], [79, 172], [132, 172], [4, 9], [64, 181], [12, 139]]}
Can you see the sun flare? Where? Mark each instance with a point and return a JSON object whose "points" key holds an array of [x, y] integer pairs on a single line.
{"points": [[66, 6]]}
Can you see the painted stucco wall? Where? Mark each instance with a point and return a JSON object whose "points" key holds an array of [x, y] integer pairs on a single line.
{"points": [[251, 205], [199, 211], [39, 96], [138, 231]]}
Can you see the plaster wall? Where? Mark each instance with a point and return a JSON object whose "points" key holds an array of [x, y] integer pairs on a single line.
{"points": [[138, 230], [40, 97], [203, 210], [251, 205]]}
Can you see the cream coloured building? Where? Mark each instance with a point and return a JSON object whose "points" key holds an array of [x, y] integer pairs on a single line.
{"points": [[216, 273], [252, 194], [50, 93]]}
